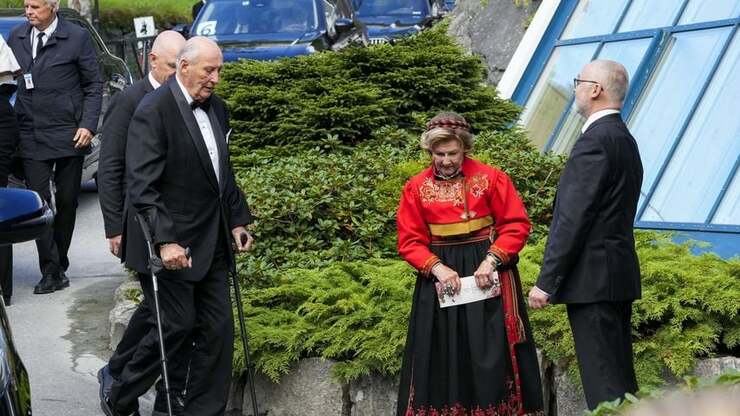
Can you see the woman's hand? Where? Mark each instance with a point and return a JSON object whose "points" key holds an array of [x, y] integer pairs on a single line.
{"points": [[446, 276], [484, 274]]}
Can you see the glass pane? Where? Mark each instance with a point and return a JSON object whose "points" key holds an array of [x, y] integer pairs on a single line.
{"points": [[707, 152], [699, 11], [628, 53], [650, 14], [593, 17], [669, 94], [729, 210], [554, 90]]}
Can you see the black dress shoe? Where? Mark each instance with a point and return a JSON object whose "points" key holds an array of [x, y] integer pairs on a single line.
{"points": [[105, 379], [47, 284], [62, 281]]}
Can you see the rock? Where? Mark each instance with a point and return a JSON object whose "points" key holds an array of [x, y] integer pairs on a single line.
{"points": [[373, 395], [308, 390], [569, 398], [492, 30], [119, 317], [711, 367]]}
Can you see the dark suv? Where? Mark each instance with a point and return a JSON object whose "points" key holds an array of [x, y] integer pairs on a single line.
{"points": [[116, 75], [270, 29]]}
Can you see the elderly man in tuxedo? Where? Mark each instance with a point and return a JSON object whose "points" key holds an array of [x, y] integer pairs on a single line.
{"points": [[180, 180], [590, 262], [58, 106], [112, 191]]}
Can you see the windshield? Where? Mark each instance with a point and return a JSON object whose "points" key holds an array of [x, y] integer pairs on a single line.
{"points": [[392, 8], [257, 17]]}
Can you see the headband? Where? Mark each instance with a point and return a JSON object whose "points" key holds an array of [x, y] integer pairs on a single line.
{"points": [[448, 124]]}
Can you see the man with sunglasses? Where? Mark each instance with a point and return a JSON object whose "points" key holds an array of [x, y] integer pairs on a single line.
{"points": [[112, 191], [590, 261]]}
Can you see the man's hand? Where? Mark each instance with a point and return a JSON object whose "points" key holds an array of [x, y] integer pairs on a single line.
{"points": [[174, 257], [538, 298], [114, 244], [82, 138], [446, 276], [242, 239], [484, 274]]}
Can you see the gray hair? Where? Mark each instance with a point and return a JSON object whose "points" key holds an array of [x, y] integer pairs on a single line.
{"points": [[192, 49], [52, 3], [445, 126]]}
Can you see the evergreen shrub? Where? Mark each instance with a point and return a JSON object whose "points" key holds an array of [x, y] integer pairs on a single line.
{"points": [[688, 310], [352, 93]]}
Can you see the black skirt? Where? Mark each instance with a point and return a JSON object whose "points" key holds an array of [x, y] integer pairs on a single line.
{"points": [[458, 360]]}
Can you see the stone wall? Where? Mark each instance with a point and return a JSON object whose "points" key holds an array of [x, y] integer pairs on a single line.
{"points": [[492, 30]]}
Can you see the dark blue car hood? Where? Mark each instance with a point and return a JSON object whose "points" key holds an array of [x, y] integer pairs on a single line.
{"points": [[265, 46], [392, 26]]}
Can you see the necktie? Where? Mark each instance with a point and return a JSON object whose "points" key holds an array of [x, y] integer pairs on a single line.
{"points": [[203, 105], [39, 43]]}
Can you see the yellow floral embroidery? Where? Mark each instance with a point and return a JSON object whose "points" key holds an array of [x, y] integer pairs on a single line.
{"points": [[478, 185], [432, 191]]}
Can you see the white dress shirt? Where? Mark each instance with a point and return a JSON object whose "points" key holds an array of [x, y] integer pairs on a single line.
{"points": [[8, 64], [206, 130], [154, 82], [47, 32], [597, 115]]}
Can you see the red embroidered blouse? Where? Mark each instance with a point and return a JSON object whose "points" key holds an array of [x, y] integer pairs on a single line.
{"points": [[479, 197]]}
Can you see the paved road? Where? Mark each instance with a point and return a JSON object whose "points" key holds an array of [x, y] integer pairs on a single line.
{"points": [[63, 337]]}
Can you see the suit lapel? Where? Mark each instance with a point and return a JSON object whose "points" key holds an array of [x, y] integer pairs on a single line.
{"points": [[194, 130], [218, 133]]}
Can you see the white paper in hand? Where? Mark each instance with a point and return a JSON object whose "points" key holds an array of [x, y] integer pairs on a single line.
{"points": [[469, 292]]}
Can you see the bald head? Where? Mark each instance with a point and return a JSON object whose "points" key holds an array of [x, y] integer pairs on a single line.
{"points": [[163, 57], [199, 65], [606, 87]]}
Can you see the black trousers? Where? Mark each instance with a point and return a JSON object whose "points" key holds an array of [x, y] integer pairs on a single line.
{"points": [[53, 245], [603, 339], [8, 143], [196, 313], [141, 323]]}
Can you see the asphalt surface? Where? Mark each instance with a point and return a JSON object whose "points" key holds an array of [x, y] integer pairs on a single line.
{"points": [[62, 337]]}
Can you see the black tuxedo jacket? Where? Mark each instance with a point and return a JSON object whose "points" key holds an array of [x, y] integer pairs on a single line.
{"points": [[171, 182], [590, 254], [67, 93], [112, 166]]}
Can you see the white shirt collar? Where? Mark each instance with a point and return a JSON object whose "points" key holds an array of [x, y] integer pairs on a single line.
{"points": [[184, 90], [153, 81], [48, 31], [597, 115]]}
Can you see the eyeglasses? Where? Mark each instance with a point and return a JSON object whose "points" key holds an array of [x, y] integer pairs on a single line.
{"points": [[577, 80]]}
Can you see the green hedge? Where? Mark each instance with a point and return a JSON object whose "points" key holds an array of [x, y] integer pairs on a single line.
{"points": [[352, 93], [356, 313], [688, 309]]}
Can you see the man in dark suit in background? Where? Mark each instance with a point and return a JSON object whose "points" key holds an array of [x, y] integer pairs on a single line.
{"points": [[180, 179], [58, 105], [112, 191], [590, 262]]}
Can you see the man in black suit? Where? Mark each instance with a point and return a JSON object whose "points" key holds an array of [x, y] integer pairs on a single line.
{"points": [[590, 262], [180, 179], [112, 191], [58, 105]]}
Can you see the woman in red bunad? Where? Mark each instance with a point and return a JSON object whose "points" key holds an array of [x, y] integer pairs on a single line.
{"points": [[459, 218]]}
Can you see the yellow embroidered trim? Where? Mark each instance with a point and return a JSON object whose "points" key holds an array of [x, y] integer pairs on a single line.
{"points": [[465, 227], [427, 269], [432, 191], [501, 254]]}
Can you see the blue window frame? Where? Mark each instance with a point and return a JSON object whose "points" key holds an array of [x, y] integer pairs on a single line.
{"points": [[683, 58]]}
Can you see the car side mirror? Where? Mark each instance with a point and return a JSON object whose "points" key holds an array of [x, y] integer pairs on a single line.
{"points": [[344, 25], [24, 216]]}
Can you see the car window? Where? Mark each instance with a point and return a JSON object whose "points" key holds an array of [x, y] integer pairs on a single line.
{"points": [[392, 7], [257, 17]]}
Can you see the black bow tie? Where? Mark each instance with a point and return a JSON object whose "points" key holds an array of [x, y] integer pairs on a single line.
{"points": [[203, 105]]}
